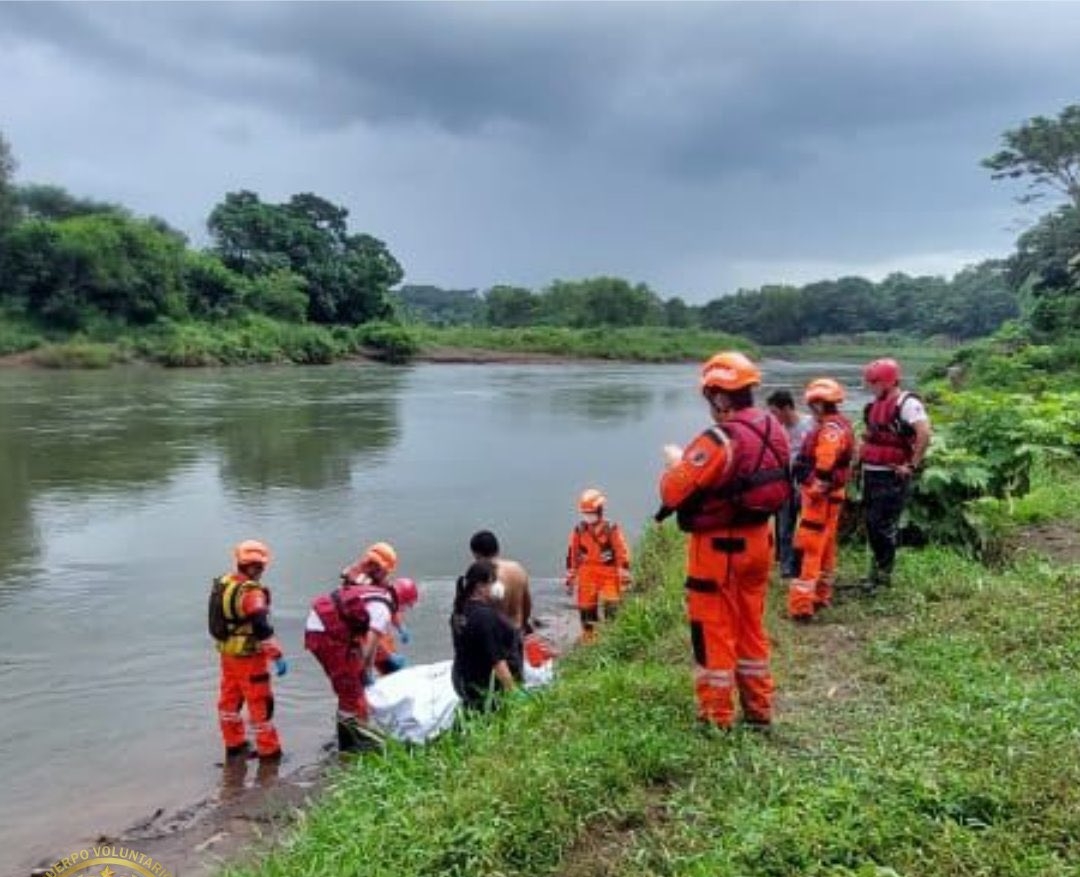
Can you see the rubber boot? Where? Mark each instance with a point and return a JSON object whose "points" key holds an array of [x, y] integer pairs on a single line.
{"points": [[355, 737]]}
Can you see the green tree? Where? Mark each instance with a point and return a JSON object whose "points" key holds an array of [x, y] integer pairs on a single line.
{"points": [[37, 201], [348, 276], [510, 306], [1047, 151], [69, 273], [8, 202], [213, 291], [678, 314]]}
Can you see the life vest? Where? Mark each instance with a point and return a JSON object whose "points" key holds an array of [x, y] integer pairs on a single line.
{"points": [[343, 613], [758, 482], [594, 544], [232, 632], [806, 460], [888, 439]]}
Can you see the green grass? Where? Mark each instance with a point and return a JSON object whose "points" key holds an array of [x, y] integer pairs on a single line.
{"points": [[642, 344], [916, 355], [931, 732]]}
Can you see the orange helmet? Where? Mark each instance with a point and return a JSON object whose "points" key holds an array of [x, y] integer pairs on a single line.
{"points": [[382, 554], [885, 371], [824, 390], [406, 592], [251, 551], [591, 501], [729, 371]]}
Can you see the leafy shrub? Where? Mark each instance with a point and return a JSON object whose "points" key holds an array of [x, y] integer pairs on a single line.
{"points": [[391, 342]]}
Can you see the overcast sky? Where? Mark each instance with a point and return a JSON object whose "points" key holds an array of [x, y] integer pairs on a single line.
{"points": [[695, 147]]}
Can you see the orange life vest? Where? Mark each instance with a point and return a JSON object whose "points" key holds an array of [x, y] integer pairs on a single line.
{"points": [[806, 461]]}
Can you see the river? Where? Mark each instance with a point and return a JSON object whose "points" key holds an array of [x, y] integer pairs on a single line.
{"points": [[121, 493]]}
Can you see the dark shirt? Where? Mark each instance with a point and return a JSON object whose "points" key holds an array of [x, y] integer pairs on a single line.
{"points": [[482, 638]]}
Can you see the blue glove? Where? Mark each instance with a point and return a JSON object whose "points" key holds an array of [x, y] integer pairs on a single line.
{"points": [[395, 662], [519, 692], [281, 667], [404, 635]]}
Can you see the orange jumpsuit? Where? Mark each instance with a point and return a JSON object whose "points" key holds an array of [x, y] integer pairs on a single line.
{"points": [[245, 670], [597, 562], [827, 451], [727, 579]]}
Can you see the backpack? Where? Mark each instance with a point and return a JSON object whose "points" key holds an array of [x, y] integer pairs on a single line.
{"points": [[220, 627]]}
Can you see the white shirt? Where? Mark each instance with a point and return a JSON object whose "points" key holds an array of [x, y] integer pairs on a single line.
{"points": [[378, 611], [797, 432]]}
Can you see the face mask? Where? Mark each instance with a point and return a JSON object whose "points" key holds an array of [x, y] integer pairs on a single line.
{"points": [[498, 590], [592, 517]]}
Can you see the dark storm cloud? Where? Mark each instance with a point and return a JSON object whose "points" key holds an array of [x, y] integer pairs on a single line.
{"points": [[688, 144], [699, 87]]}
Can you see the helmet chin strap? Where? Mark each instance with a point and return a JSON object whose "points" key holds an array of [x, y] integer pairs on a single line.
{"points": [[715, 405]]}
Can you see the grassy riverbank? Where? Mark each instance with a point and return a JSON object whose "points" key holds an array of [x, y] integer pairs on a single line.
{"points": [[640, 344], [914, 354], [931, 732], [257, 339]]}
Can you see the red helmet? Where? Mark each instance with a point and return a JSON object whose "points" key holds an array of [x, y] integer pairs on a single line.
{"points": [[251, 551], [729, 371], [882, 371], [591, 501], [406, 592], [824, 390]]}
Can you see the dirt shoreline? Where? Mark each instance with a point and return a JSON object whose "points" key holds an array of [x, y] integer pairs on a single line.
{"points": [[252, 809]]}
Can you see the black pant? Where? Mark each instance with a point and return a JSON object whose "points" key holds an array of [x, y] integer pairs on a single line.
{"points": [[884, 496]]}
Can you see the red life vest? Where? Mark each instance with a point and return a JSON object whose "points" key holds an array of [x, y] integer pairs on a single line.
{"points": [[888, 439], [343, 613], [759, 479], [806, 461]]}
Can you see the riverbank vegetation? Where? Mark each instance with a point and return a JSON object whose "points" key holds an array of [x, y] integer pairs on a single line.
{"points": [[86, 283], [919, 734]]}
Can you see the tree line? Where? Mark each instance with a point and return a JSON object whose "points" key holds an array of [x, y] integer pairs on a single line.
{"points": [[72, 263], [971, 304]]}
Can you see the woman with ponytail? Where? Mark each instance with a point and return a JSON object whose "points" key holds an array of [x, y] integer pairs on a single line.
{"points": [[483, 641]]}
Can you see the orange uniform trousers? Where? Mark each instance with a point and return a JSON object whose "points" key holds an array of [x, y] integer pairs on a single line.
{"points": [[597, 584], [727, 581], [245, 679], [815, 538]]}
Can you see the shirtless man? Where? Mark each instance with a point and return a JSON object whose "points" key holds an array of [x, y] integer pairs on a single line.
{"points": [[510, 591]]}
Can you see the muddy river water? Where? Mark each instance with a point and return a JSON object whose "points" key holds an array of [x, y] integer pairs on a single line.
{"points": [[121, 493]]}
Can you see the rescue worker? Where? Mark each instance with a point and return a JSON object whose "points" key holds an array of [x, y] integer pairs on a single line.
{"points": [[483, 642], [782, 406], [342, 632], [894, 445], [240, 623], [510, 592], [725, 487], [597, 563], [824, 467]]}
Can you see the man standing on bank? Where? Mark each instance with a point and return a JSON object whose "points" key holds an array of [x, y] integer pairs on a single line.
{"points": [[894, 445]]}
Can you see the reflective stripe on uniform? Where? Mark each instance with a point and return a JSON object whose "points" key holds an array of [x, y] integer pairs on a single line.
{"points": [[752, 668], [714, 678]]}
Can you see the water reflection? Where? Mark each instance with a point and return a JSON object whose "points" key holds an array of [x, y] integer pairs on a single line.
{"points": [[606, 403], [129, 433], [307, 434]]}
